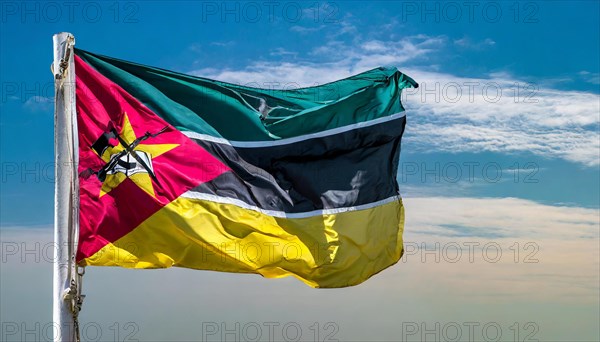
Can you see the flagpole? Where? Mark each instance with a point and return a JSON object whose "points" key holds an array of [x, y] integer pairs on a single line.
{"points": [[65, 189]]}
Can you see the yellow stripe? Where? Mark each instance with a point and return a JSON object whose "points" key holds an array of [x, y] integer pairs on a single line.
{"points": [[332, 250]]}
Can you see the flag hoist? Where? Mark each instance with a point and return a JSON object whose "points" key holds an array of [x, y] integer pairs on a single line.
{"points": [[67, 275]]}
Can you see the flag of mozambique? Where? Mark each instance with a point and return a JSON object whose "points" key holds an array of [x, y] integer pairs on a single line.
{"points": [[177, 170]]}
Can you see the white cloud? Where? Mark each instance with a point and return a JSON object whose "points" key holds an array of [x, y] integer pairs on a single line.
{"points": [[503, 114], [468, 43], [374, 46], [505, 217], [223, 44], [306, 29], [39, 104], [278, 75], [283, 52], [338, 60], [590, 77]]}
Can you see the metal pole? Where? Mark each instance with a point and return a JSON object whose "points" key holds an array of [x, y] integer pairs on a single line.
{"points": [[65, 186]]}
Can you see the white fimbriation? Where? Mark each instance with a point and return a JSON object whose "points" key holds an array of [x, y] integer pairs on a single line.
{"points": [[66, 188]]}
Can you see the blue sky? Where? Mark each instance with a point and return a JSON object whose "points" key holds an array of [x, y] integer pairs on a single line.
{"points": [[505, 126]]}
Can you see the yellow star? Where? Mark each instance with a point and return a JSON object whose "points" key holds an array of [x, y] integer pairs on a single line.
{"points": [[136, 172]]}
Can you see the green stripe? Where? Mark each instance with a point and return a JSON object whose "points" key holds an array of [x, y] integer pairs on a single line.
{"points": [[231, 111]]}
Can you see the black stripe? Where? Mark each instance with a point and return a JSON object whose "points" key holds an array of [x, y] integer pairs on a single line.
{"points": [[341, 170]]}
